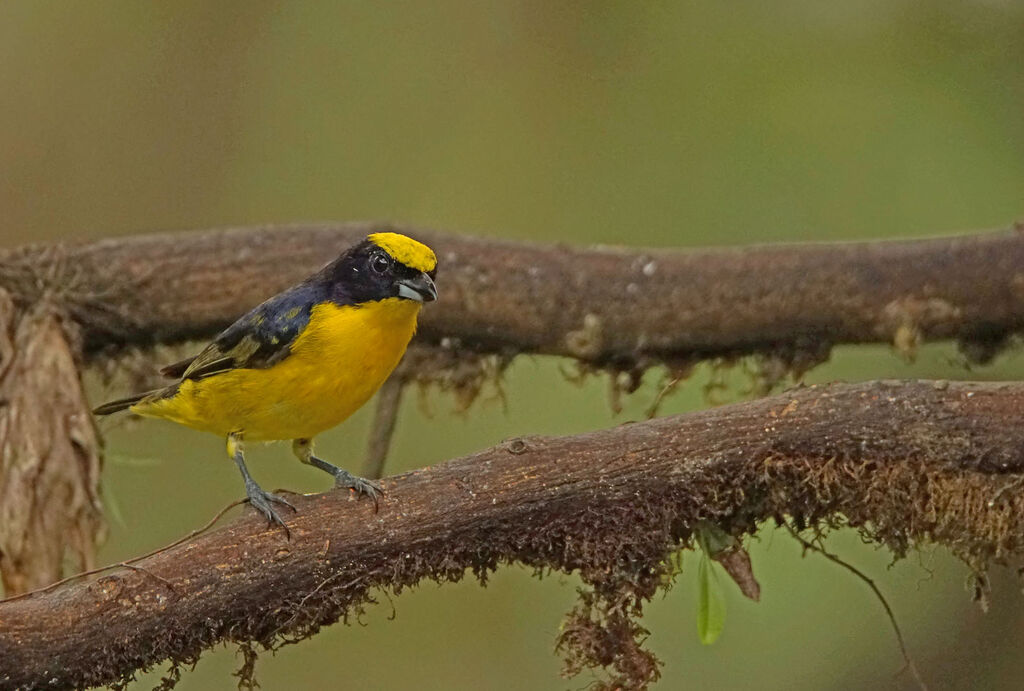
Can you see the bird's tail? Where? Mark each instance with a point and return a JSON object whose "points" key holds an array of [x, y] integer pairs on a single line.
{"points": [[121, 404]]}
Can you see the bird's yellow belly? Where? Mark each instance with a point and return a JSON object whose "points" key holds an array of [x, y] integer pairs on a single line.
{"points": [[335, 365]]}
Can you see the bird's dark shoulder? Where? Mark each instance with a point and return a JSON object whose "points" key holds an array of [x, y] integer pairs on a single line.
{"points": [[259, 339]]}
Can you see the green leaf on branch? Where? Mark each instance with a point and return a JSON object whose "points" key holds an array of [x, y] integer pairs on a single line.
{"points": [[711, 607], [728, 551]]}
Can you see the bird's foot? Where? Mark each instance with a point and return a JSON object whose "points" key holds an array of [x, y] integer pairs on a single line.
{"points": [[345, 479], [263, 501]]}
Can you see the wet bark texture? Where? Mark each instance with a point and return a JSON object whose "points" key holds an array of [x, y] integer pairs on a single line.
{"points": [[906, 462]]}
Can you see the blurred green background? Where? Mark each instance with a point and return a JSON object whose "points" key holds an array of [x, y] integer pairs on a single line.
{"points": [[661, 124]]}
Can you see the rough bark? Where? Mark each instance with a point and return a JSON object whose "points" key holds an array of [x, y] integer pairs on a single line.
{"points": [[906, 462], [602, 305], [49, 451]]}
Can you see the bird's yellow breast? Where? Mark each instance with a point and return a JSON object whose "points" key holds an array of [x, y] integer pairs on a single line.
{"points": [[335, 365]]}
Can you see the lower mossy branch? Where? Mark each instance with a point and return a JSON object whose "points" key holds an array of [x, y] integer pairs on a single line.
{"points": [[905, 462]]}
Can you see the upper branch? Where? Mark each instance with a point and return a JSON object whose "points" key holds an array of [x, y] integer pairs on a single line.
{"points": [[604, 306], [913, 461]]}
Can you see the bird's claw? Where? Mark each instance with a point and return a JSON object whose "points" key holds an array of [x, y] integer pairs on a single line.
{"points": [[263, 501], [360, 485]]}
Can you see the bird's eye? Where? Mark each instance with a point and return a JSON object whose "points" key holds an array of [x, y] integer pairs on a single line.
{"points": [[380, 263]]}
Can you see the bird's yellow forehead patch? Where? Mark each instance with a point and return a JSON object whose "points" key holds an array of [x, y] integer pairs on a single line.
{"points": [[404, 249]]}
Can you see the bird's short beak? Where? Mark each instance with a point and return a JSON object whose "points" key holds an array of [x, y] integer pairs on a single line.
{"points": [[421, 289]]}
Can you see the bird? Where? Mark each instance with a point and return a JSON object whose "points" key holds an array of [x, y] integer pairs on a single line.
{"points": [[303, 361]]}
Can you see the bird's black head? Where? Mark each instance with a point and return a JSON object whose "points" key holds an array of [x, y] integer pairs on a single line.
{"points": [[384, 265]]}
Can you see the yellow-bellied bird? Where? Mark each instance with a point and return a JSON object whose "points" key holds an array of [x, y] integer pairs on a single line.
{"points": [[304, 360]]}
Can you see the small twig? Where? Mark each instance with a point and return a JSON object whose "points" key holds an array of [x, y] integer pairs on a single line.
{"points": [[667, 388], [161, 579], [908, 661], [128, 563], [389, 399]]}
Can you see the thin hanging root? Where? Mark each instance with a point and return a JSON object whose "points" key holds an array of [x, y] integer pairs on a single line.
{"points": [[389, 400], [907, 660]]}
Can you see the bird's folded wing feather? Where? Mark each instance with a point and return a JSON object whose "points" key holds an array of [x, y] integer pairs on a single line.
{"points": [[258, 340]]}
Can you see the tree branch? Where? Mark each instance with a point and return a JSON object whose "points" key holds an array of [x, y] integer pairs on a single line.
{"points": [[906, 462], [616, 307]]}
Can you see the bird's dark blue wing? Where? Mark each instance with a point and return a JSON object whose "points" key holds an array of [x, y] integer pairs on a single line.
{"points": [[257, 340]]}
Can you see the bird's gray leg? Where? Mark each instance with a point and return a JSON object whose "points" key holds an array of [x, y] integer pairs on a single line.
{"points": [[260, 499], [303, 450]]}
